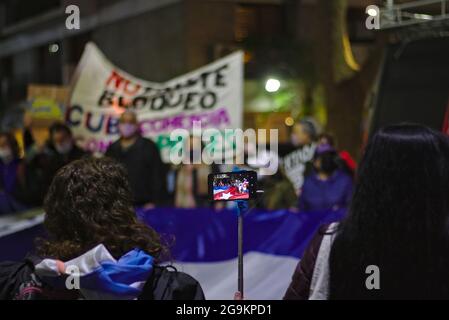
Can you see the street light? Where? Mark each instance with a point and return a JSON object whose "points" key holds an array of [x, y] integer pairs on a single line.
{"points": [[272, 85], [372, 12], [53, 48], [289, 121]]}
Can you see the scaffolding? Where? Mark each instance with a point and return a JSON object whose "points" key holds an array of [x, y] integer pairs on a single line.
{"points": [[413, 13]]}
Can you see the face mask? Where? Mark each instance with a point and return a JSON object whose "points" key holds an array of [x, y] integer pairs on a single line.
{"points": [[127, 129], [64, 147], [5, 154], [328, 164], [294, 139]]}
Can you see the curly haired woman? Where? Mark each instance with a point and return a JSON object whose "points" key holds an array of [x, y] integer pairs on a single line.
{"points": [[96, 249]]}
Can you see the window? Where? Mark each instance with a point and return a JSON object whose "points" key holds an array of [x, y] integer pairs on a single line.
{"points": [[261, 21]]}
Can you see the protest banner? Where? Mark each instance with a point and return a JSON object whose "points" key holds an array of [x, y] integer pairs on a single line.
{"points": [[45, 105], [101, 92], [46, 102], [296, 165]]}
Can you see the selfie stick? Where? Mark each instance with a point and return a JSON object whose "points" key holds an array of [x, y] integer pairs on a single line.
{"points": [[242, 208]]}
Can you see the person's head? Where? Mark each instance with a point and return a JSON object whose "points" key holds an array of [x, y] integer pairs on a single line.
{"points": [[304, 132], [325, 159], [88, 203], [9, 149], [61, 137], [128, 124], [398, 218], [326, 138]]}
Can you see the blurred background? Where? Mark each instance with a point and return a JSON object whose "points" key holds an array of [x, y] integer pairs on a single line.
{"points": [[326, 61]]}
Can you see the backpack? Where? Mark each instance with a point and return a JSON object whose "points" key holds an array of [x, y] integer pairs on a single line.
{"points": [[19, 282]]}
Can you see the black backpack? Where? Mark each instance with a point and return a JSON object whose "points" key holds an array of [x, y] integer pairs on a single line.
{"points": [[19, 282]]}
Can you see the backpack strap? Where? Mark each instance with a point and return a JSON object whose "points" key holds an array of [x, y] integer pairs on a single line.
{"points": [[17, 281], [155, 280]]}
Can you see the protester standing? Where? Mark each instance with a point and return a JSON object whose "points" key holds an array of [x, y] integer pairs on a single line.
{"points": [[328, 187], [12, 176], [394, 243], [298, 163], [42, 162], [141, 158], [346, 162], [191, 177], [62, 147]]}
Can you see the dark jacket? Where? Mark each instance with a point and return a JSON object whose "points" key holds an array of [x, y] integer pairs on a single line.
{"points": [[58, 160], [18, 281], [299, 288], [146, 172], [42, 167], [12, 181]]}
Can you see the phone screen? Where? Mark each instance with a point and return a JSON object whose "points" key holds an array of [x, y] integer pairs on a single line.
{"points": [[232, 186]]}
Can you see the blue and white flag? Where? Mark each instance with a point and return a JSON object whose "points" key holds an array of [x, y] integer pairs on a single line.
{"points": [[98, 275], [206, 247]]}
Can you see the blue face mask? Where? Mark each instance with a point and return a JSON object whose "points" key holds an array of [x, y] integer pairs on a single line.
{"points": [[127, 129]]}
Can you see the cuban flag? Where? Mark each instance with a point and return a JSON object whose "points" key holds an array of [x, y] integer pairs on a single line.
{"points": [[229, 193], [206, 246], [100, 275]]}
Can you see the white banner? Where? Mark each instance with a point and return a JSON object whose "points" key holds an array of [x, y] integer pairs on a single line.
{"points": [[212, 94]]}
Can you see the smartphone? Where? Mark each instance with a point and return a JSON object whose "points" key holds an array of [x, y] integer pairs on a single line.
{"points": [[230, 186]]}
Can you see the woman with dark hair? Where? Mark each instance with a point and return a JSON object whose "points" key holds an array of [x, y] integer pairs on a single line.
{"points": [[394, 244], [345, 160], [328, 187], [12, 175], [94, 233]]}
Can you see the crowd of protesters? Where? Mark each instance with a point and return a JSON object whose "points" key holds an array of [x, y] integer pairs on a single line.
{"points": [[312, 174], [25, 180], [396, 221], [89, 205]]}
